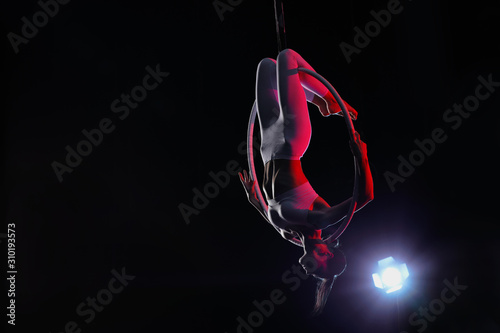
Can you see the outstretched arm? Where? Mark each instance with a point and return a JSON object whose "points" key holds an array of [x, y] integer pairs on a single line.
{"points": [[249, 186]]}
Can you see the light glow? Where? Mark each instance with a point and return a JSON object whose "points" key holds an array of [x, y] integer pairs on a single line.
{"points": [[391, 275]]}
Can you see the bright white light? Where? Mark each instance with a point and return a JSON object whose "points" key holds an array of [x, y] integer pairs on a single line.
{"points": [[391, 275], [388, 291], [377, 281]]}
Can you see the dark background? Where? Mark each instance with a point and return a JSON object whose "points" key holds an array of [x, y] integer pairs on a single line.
{"points": [[119, 208]]}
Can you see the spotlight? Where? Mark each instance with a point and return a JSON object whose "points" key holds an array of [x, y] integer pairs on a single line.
{"points": [[391, 275]]}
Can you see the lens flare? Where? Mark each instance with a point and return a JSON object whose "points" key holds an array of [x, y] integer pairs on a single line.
{"points": [[391, 275]]}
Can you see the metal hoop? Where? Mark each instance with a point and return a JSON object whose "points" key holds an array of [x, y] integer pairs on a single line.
{"points": [[251, 125]]}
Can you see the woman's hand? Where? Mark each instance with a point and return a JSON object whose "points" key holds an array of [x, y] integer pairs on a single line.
{"points": [[249, 185], [358, 148]]}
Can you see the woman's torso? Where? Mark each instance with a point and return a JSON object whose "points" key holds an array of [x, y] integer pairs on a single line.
{"points": [[282, 175]]}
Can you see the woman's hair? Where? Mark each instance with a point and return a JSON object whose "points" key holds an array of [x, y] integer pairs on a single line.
{"points": [[337, 265], [323, 289]]}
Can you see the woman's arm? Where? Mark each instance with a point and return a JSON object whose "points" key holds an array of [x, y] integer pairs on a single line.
{"points": [[249, 186], [365, 190]]}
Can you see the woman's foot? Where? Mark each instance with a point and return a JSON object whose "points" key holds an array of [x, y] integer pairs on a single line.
{"points": [[334, 107], [322, 105], [328, 105]]}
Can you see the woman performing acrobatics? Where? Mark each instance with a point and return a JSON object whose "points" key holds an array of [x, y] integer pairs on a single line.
{"points": [[295, 210]]}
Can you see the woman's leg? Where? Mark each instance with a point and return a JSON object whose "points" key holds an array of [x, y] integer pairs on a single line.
{"points": [[266, 93], [268, 109], [293, 102]]}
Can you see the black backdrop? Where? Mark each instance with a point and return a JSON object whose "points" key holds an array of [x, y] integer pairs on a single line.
{"points": [[118, 211]]}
